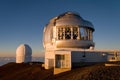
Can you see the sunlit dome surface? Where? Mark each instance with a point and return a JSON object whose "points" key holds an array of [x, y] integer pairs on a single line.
{"points": [[23, 53], [69, 30]]}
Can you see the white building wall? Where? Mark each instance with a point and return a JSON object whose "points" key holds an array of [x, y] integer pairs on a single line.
{"points": [[76, 56], [80, 56], [49, 59], [96, 57]]}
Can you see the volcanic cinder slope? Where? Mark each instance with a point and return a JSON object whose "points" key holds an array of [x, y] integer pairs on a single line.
{"points": [[35, 71]]}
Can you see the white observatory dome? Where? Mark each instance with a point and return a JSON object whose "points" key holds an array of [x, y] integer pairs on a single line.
{"points": [[23, 53], [68, 30]]}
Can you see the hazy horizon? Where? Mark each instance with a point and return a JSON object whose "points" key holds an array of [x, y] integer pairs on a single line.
{"points": [[14, 55]]}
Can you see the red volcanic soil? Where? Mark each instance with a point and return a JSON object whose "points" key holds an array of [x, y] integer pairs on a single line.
{"points": [[24, 71], [35, 71]]}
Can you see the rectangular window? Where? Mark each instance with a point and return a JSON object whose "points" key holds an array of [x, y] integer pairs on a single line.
{"points": [[67, 33], [75, 32], [60, 33]]}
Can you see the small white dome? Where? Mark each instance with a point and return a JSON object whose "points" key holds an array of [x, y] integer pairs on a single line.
{"points": [[23, 53]]}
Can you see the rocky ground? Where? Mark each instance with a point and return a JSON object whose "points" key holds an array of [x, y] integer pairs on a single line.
{"points": [[35, 71]]}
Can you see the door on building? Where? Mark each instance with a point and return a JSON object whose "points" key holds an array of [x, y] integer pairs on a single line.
{"points": [[59, 61], [62, 61]]}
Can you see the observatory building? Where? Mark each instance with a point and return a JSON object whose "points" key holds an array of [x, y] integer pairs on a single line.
{"points": [[23, 54], [68, 41]]}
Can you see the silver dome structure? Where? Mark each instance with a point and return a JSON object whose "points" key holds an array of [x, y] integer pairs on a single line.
{"points": [[69, 30], [23, 53]]}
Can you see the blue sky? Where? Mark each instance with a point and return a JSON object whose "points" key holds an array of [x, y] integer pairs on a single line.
{"points": [[22, 21]]}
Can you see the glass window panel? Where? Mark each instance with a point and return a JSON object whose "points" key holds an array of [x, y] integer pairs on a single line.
{"points": [[67, 33], [82, 33], [60, 33], [75, 32]]}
